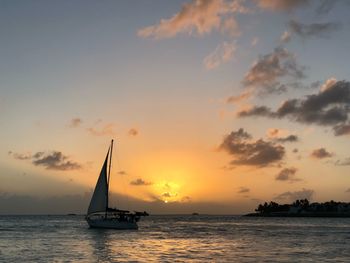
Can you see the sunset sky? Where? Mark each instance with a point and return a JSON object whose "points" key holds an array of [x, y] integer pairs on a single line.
{"points": [[214, 106]]}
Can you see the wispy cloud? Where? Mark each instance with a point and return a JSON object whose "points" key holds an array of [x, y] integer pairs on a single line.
{"points": [[104, 130], [20, 156], [223, 53], [133, 132], [243, 190], [325, 6], [75, 122], [344, 162], [322, 30], [281, 136], [285, 37], [255, 41], [198, 17]]}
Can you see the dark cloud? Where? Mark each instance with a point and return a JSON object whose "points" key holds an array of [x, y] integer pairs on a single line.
{"points": [[139, 182], [342, 129], [268, 69], [313, 30], [54, 160], [329, 106], [292, 196], [122, 173], [321, 153], [290, 138], [246, 151], [243, 190], [259, 111], [287, 174], [76, 122]]}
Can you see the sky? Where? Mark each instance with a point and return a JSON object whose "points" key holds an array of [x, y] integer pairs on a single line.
{"points": [[215, 106]]}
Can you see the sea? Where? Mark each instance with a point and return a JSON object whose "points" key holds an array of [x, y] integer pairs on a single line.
{"points": [[176, 238]]}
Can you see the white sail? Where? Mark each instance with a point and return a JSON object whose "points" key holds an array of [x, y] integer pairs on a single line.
{"points": [[99, 200]]}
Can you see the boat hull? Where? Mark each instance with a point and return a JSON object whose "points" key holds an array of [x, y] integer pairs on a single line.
{"points": [[111, 224]]}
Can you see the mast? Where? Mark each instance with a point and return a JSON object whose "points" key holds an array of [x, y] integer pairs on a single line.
{"points": [[109, 174]]}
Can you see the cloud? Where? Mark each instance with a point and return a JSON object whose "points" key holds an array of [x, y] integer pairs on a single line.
{"points": [[347, 191], [139, 182], [285, 37], [239, 98], [122, 173], [106, 130], [198, 17], [292, 196], [246, 151], [20, 156], [280, 136], [344, 162], [328, 84], [322, 30], [243, 190], [289, 138], [325, 6], [255, 111], [281, 5], [76, 122], [222, 54], [329, 106], [230, 27], [133, 132], [321, 153], [287, 174], [342, 129], [267, 71], [53, 160]]}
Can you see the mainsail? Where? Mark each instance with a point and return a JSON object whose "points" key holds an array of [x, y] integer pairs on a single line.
{"points": [[99, 200]]}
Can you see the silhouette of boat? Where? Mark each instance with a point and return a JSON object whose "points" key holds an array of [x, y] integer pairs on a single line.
{"points": [[99, 215]]}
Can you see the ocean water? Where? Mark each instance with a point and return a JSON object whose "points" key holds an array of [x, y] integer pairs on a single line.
{"points": [[176, 239]]}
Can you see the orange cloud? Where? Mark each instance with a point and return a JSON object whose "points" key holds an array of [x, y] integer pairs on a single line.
{"points": [[280, 5], [199, 16], [106, 130], [222, 54]]}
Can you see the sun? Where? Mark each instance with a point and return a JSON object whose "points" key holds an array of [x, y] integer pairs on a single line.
{"points": [[166, 201]]}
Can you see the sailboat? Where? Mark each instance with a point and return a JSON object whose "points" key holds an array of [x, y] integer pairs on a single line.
{"points": [[99, 214]]}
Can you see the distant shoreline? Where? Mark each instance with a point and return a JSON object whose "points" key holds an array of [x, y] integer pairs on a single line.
{"points": [[296, 215], [302, 208]]}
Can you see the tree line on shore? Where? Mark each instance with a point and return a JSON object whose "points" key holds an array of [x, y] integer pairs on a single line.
{"points": [[303, 206]]}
